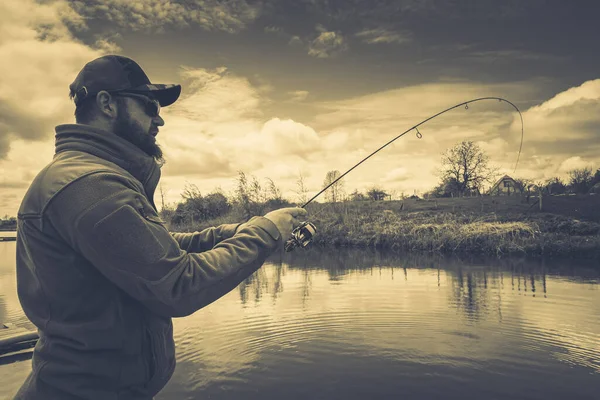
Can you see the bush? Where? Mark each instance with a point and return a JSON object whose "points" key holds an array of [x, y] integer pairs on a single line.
{"points": [[198, 208]]}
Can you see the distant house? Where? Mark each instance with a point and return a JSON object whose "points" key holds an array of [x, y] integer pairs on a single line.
{"points": [[505, 186]]}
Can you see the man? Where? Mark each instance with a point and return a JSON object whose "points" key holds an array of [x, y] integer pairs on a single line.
{"points": [[97, 271]]}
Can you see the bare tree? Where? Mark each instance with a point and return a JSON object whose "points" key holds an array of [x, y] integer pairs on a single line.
{"points": [[162, 196], [301, 189], [580, 179], [336, 192], [466, 165]]}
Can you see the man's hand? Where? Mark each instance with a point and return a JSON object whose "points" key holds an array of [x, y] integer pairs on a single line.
{"points": [[287, 219]]}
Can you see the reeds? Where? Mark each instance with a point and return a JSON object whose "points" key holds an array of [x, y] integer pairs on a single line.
{"points": [[459, 233], [465, 232]]}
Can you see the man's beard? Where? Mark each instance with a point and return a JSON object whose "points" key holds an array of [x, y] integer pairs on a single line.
{"points": [[131, 131]]}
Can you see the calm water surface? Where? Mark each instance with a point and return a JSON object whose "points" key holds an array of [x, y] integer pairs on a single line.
{"points": [[363, 325]]}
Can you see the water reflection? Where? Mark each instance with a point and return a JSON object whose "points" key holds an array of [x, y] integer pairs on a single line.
{"points": [[474, 288], [354, 324], [477, 284]]}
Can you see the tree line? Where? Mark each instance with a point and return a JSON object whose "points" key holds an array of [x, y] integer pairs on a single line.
{"points": [[466, 171], [250, 197]]}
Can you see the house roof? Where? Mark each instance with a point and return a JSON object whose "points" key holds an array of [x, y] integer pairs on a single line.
{"points": [[505, 177]]}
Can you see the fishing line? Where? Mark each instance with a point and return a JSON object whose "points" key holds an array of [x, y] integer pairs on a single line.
{"points": [[303, 234], [420, 135]]}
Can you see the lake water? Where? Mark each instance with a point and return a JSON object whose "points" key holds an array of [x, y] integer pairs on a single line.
{"points": [[350, 324]]}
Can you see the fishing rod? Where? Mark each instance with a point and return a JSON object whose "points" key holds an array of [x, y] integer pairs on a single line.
{"points": [[303, 234]]}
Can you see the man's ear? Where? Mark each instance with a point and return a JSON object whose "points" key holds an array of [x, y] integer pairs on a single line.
{"points": [[106, 104]]}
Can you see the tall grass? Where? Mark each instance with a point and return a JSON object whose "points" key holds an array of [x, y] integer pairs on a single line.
{"points": [[468, 231], [472, 232], [445, 232]]}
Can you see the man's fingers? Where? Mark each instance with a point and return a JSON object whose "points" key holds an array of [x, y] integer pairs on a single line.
{"points": [[298, 212]]}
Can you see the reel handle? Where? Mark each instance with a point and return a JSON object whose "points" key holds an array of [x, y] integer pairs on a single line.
{"points": [[301, 236]]}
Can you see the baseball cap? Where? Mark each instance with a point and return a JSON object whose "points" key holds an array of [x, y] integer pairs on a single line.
{"points": [[117, 73]]}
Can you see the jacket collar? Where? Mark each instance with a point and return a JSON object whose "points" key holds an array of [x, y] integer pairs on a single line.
{"points": [[112, 148]]}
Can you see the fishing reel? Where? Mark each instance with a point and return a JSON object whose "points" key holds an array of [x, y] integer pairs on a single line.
{"points": [[301, 236]]}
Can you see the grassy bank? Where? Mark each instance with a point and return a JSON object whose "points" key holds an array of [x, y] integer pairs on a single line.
{"points": [[482, 226], [539, 235]]}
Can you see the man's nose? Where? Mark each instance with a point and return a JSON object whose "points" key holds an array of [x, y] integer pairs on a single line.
{"points": [[158, 121]]}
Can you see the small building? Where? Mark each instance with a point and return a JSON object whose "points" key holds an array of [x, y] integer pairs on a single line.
{"points": [[505, 186]]}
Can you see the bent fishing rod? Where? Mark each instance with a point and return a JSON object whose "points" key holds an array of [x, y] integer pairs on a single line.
{"points": [[303, 234]]}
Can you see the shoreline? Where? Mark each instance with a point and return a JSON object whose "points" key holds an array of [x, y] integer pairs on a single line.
{"points": [[420, 227], [542, 235], [564, 247]]}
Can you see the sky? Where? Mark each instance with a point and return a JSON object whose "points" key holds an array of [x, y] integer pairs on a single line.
{"points": [[280, 88]]}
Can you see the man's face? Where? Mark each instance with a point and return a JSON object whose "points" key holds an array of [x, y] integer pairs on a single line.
{"points": [[135, 125]]}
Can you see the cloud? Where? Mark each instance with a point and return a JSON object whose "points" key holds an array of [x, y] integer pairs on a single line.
{"points": [[496, 56], [381, 35], [107, 46], [219, 126], [204, 161], [273, 29], [155, 15], [44, 59], [217, 96], [295, 41], [261, 84], [13, 184], [589, 90], [286, 137], [399, 11], [555, 131], [217, 129], [222, 112], [572, 163], [567, 124], [561, 133], [298, 95], [327, 44], [499, 147], [35, 21], [398, 109], [396, 174], [17, 170]]}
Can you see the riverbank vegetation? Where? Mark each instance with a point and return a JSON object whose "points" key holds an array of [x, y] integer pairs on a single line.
{"points": [[563, 225], [506, 228], [460, 215], [8, 223]]}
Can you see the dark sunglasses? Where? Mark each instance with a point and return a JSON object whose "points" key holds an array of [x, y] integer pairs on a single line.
{"points": [[152, 106]]}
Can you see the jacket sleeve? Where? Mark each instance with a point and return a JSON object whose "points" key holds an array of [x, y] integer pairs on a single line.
{"points": [[107, 220], [206, 239]]}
